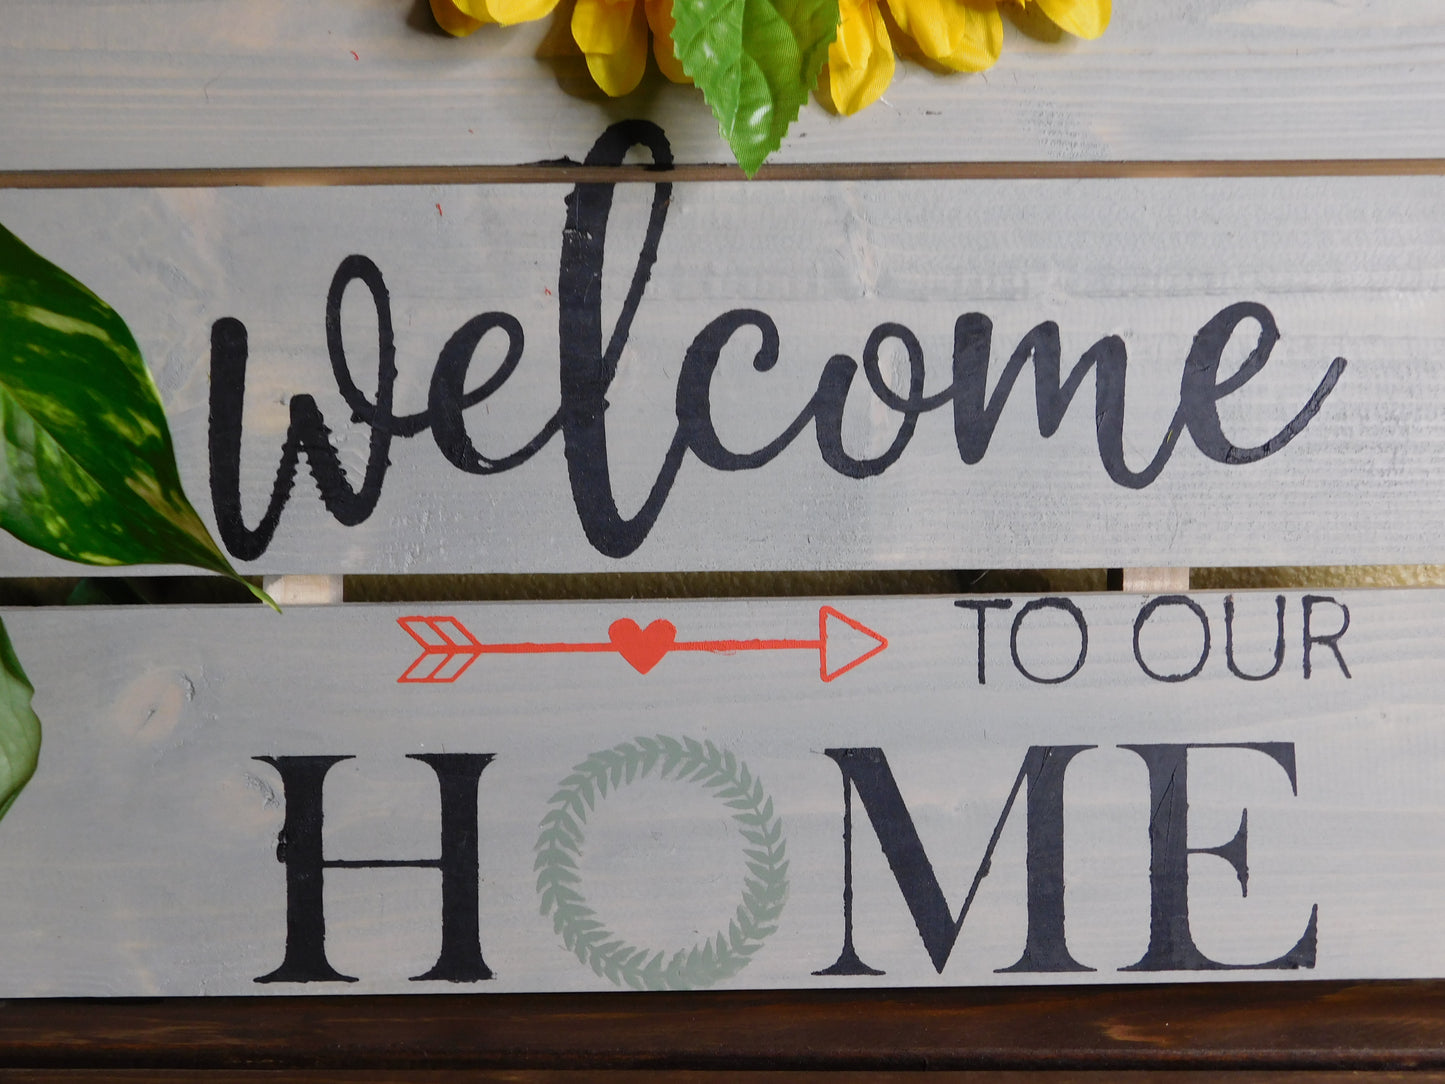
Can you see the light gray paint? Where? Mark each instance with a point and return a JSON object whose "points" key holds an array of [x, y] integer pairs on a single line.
{"points": [[1349, 267], [142, 858], [133, 84]]}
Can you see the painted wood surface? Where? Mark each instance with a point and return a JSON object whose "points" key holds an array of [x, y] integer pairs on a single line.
{"points": [[143, 859], [136, 85], [1326, 448]]}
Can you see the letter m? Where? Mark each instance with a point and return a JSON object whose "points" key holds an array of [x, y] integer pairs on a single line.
{"points": [[867, 772]]}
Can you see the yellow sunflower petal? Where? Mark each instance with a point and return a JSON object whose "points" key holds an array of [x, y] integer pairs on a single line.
{"points": [[659, 18], [511, 12], [1082, 18], [860, 60], [613, 34], [456, 18], [965, 35]]}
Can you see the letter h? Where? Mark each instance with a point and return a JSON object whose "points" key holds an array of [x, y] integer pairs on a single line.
{"points": [[299, 848]]}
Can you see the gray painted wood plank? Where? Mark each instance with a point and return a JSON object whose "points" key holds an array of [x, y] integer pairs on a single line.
{"points": [[143, 857], [133, 84], [1137, 275]]}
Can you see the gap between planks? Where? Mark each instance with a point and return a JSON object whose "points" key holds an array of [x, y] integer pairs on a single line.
{"points": [[1149, 581], [304, 590], [323, 590], [565, 172]]}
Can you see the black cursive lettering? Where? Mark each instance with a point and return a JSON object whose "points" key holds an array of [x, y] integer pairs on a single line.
{"points": [[588, 365]]}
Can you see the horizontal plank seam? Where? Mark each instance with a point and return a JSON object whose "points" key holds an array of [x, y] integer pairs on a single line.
{"points": [[565, 172]]}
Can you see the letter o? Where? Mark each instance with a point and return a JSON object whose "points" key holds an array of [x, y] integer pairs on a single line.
{"points": [[718, 956], [1049, 604], [1147, 611]]}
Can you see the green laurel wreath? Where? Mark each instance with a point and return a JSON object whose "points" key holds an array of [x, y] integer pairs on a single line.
{"points": [[560, 844]]}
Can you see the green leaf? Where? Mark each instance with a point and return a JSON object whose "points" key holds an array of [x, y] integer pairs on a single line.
{"points": [[19, 726], [755, 61], [87, 468]]}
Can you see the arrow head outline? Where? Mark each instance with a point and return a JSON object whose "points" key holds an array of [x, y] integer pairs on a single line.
{"points": [[828, 613], [443, 640]]}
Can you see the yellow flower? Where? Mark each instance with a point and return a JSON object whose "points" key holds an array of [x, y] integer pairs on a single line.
{"points": [[860, 60], [964, 35], [613, 36], [1082, 18], [460, 17]]}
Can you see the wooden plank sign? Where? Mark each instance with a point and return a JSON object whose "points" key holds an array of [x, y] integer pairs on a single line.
{"points": [[942, 374], [845, 794], [206, 84]]}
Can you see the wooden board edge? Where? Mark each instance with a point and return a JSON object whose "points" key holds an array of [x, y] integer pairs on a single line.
{"points": [[1375, 1026], [700, 172]]}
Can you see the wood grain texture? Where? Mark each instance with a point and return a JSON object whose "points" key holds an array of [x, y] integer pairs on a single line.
{"points": [[1250, 1029], [131, 84], [1154, 581], [1346, 267], [304, 590], [718, 1076], [144, 856]]}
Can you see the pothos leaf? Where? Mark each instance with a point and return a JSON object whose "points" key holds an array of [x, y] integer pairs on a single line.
{"points": [[756, 61], [19, 726], [87, 468]]}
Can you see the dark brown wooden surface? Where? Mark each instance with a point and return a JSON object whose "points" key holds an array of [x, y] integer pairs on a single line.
{"points": [[1283, 1026], [686, 1076]]}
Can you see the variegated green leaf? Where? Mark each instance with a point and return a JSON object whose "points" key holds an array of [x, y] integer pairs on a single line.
{"points": [[19, 726], [87, 469]]}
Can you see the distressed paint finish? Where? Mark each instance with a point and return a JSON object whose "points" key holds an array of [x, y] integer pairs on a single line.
{"points": [[1346, 268], [143, 858], [134, 85]]}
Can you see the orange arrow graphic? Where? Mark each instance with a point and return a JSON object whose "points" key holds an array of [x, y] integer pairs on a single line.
{"points": [[448, 648]]}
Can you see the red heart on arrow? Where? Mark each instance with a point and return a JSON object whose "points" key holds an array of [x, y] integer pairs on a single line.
{"points": [[642, 648]]}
